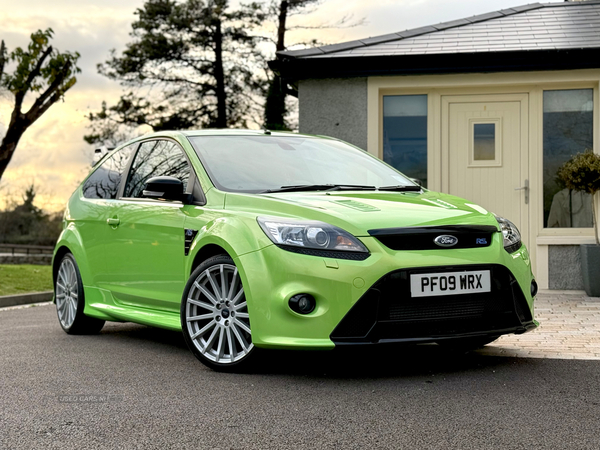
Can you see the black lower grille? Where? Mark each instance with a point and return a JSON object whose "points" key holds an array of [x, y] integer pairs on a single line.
{"points": [[363, 318], [387, 310], [437, 308]]}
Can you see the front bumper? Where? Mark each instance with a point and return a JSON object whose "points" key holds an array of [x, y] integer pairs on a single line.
{"points": [[388, 313], [272, 275]]}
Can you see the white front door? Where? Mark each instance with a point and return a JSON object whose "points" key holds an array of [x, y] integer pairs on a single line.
{"points": [[485, 153]]}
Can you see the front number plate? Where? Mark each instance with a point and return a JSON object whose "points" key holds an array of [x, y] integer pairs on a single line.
{"points": [[449, 283]]}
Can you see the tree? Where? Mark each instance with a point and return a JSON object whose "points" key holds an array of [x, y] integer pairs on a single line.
{"points": [[275, 105], [189, 64], [25, 223], [41, 70], [275, 108]]}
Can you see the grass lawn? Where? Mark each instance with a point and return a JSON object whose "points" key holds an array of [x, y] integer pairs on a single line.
{"points": [[25, 278]]}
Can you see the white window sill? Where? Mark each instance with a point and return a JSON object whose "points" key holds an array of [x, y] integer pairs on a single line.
{"points": [[565, 240]]}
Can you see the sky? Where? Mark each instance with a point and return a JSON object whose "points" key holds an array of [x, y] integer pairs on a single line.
{"points": [[52, 154]]}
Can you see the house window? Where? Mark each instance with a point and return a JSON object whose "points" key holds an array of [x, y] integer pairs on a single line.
{"points": [[568, 129], [484, 141], [405, 134], [485, 145]]}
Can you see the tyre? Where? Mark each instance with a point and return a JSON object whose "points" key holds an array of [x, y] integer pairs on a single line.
{"points": [[467, 344], [214, 316], [70, 300]]}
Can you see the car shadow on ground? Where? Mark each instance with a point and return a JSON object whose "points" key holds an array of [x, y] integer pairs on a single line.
{"points": [[142, 333], [373, 361], [378, 361]]}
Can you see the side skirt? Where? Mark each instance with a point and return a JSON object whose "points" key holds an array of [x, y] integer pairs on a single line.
{"points": [[99, 303]]}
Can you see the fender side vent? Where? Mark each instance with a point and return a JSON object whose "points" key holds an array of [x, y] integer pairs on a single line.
{"points": [[190, 235]]}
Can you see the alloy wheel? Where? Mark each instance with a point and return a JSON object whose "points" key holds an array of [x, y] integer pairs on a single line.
{"points": [[67, 293], [216, 315]]}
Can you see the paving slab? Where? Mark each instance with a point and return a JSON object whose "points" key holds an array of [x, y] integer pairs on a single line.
{"points": [[569, 329]]}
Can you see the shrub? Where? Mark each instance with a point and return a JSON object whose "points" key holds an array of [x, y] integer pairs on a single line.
{"points": [[582, 173]]}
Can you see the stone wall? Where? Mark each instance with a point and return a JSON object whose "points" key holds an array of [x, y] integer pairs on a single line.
{"points": [[335, 107], [564, 268]]}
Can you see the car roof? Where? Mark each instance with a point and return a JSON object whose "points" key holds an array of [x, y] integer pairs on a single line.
{"points": [[212, 132], [236, 132], [221, 132]]}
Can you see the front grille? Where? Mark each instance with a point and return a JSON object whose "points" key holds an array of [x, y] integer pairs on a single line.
{"points": [[388, 311], [437, 308], [423, 238]]}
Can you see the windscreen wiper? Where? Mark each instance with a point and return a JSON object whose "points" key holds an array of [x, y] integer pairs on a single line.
{"points": [[320, 187], [401, 188]]}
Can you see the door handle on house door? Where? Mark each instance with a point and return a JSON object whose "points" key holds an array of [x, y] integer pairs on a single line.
{"points": [[526, 189], [113, 221]]}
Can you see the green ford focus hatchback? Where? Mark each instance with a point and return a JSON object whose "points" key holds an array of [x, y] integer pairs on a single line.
{"points": [[251, 240]]}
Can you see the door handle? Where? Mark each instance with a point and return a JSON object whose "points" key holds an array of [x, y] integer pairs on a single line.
{"points": [[526, 189], [113, 221]]}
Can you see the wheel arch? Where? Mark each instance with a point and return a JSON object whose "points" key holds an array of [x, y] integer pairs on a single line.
{"points": [[70, 242], [58, 256], [225, 235], [206, 252]]}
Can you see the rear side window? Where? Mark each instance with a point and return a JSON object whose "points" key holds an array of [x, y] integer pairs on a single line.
{"points": [[104, 182], [156, 159]]}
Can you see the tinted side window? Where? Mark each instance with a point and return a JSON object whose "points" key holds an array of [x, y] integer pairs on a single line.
{"points": [[156, 159], [104, 182]]}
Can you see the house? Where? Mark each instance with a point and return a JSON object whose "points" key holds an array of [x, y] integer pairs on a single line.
{"points": [[486, 108]]}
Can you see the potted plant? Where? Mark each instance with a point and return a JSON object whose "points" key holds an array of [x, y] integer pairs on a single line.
{"points": [[582, 173]]}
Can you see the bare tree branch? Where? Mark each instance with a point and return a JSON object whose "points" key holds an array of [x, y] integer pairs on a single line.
{"points": [[2, 59], [38, 68]]}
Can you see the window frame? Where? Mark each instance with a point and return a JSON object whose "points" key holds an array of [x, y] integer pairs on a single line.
{"points": [[103, 161], [429, 120], [498, 147], [571, 235], [377, 149], [199, 199]]}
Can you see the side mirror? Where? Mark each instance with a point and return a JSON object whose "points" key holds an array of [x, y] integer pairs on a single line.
{"points": [[165, 188]]}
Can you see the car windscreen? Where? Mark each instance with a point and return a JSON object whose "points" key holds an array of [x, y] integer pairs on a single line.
{"points": [[262, 163]]}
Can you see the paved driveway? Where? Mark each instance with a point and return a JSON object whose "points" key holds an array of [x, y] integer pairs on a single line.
{"points": [[569, 329]]}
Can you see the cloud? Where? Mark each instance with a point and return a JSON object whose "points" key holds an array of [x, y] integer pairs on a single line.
{"points": [[52, 153], [390, 16]]}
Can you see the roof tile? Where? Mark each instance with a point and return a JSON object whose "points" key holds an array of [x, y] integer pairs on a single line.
{"points": [[453, 24], [416, 32], [487, 16], [380, 39], [526, 7], [528, 27]]}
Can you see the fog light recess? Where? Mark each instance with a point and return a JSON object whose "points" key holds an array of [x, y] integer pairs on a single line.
{"points": [[534, 288], [302, 303]]}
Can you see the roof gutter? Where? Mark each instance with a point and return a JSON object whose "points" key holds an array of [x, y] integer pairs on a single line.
{"points": [[294, 69]]}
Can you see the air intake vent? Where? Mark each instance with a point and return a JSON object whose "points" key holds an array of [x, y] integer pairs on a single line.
{"points": [[190, 235]]}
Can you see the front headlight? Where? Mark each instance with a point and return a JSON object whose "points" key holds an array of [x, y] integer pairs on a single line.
{"points": [[309, 234], [511, 235]]}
